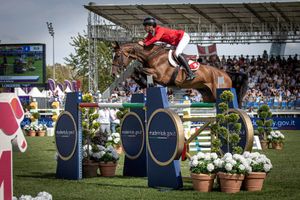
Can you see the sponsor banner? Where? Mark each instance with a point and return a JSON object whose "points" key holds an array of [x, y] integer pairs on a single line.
{"points": [[282, 123], [279, 123]]}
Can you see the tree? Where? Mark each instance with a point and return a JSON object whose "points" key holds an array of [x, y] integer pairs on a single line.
{"points": [[80, 61], [62, 72]]}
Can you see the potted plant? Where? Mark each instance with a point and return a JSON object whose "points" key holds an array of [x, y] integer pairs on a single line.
{"points": [[203, 167], [108, 157], [31, 129], [276, 138], [114, 140], [90, 166], [232, 172], [260, 165], [264, 125], [226, 130], [42, 128], [90, 127]]}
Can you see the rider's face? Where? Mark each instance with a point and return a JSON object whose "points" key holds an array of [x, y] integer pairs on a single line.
{"points": [[148, 28]]}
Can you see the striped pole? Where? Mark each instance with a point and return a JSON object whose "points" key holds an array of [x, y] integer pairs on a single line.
{"points": [[141, 105], [111, 105]]}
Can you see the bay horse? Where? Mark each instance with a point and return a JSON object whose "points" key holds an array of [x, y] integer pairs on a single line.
{"points": [[154, 59]]}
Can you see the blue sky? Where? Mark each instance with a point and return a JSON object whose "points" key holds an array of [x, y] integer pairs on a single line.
{"points": [[24, 21]]}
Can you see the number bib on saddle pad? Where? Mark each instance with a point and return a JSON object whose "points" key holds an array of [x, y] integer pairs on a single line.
{"points": [[193, 64]]}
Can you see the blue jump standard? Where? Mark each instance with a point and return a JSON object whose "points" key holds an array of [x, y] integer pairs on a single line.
{"points": [[161, 176], [68, 138], [135, 167]]}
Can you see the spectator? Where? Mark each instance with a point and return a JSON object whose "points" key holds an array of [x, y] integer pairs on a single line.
{"points": [[114, 121], [104, 120]]}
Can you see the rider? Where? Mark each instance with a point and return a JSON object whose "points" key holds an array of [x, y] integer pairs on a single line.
{"points": [[177, 38]]}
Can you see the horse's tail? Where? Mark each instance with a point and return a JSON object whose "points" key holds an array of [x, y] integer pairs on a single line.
{"points": [[240, 83]]}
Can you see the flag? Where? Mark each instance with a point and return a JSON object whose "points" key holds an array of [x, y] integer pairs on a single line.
{"points": [[68, 84], [207, 50], [61, 87], [51, 84]]}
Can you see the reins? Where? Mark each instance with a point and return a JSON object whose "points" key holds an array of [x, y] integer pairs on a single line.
{"points": [[135, 55]]}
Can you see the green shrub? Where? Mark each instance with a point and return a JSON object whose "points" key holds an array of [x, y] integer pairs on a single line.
{"points": [[226, 130], [264, 125]]}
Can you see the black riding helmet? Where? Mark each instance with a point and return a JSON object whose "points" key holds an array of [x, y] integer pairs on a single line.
{"points": [[150, 21]]}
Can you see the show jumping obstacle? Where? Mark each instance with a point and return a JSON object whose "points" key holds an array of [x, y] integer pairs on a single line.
{"points": [[150, 125]]}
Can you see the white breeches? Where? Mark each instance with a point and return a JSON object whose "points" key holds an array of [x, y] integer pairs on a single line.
{"points": [[182, 44]]}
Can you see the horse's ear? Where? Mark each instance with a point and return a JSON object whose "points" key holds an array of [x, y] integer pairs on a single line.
{"points": [[115, 45]]}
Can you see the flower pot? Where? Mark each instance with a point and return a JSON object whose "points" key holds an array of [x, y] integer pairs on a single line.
{"points": [[90, 169], [108, 169], [254, 181], [230, 183], [277, 145], [31, 133], [119, 149], [264, 144], [203, 182], [41, 133]]}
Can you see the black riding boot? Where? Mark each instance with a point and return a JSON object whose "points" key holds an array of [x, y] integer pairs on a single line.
{"points": [[184, 63]]}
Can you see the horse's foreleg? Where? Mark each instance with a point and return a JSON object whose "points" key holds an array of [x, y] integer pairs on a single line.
{"points": [[139, 78], [150, 72]]}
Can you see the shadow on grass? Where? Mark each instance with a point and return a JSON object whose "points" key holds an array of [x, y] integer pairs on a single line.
{"points": [[125, 185], [39, 175], [50, 150]]}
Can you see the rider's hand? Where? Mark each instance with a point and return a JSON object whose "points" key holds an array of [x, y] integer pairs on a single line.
{"points": [[141, 43]]}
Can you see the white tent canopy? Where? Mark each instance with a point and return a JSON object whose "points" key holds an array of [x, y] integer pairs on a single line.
{"points": [[67, 90], [58, 91], [47, 93], [20, 92], [34, 92]]}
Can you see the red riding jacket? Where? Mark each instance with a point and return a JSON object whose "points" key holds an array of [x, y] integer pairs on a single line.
{"points": [[166, 35]]}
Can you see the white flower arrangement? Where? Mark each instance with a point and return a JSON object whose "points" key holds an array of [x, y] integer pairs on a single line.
{"points": [[113, 139], [258, 162], [234, 164], [204, 163], [31, 127], [87, 151], [42, 127], [105, 154], [207, 163], [40, 196], [276, 136]]}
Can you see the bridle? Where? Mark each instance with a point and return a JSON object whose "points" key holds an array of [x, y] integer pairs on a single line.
{"points": [[127, 55]]}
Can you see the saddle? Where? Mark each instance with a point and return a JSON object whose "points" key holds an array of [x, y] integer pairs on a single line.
{"points": [[194, 65]]}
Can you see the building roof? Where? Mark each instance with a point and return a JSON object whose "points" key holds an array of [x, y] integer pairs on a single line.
{"points": [[206, 23], [218, 14]]}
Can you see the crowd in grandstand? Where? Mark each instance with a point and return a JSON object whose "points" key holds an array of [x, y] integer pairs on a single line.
{"points": [[272, 80]]}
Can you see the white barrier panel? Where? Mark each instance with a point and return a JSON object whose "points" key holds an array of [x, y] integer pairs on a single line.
{"points": [[10, 134]]}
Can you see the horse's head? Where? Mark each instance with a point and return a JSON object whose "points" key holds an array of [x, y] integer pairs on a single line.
{"points": [[123, 55]]}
